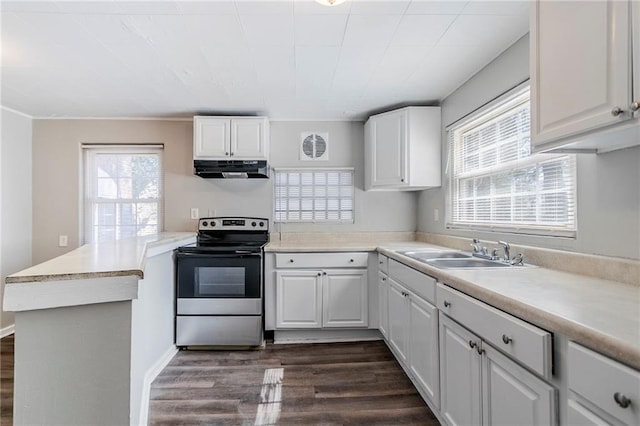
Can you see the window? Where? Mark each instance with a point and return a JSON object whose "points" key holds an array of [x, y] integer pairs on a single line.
{"points": [[495, 183], [314, 195], [122, 191]]}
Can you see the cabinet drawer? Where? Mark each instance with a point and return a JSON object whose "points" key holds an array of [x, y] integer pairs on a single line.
{"points": [[421, 284], [526, 343], [598, 379], [322, 260], [383, 263]]}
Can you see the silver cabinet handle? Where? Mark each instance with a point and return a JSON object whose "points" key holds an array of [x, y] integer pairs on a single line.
{"points": [[635, 106], [290, 260], [381, 262], [324, 273], [617, 111], [472, 344], [351, 260], [384, 279], [621, 400], [506, 339], [319, 274], [479, 350], [226, 153], [446, 304], [231, 154]]}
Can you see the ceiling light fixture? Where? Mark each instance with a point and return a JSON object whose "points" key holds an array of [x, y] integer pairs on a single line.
{"points": [[330, 2]]}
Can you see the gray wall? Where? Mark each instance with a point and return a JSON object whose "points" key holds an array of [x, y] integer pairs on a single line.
{"points": [[15, 199], [608, 184], [57, 162]]}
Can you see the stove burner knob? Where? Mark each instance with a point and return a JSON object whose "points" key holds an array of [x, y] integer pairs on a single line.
{"points": [[261, 223], [253, 224], [204, 224], [213, 224]]}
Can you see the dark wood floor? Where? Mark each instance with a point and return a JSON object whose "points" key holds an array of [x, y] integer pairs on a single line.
{"points": [[314, 384], [6, 381], [321, 384]]}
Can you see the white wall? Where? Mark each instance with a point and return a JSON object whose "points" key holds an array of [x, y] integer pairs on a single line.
{"points": [[56, 178], [374, 211], [608, 184], [15, 199]]}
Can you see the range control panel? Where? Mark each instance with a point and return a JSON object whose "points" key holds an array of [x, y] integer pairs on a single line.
{"points": [[233, 224]]}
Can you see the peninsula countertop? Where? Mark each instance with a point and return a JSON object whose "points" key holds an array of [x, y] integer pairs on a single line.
{"points": [[94, 273]]}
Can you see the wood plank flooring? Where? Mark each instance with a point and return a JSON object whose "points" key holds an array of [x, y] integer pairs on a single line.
{"points": [[312, 384], [6, 380]]}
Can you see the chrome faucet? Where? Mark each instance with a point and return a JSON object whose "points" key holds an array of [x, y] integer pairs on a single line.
{"points": [[507, 251], [476, 245]]}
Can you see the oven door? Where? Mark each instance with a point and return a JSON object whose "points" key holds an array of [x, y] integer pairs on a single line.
{"points": [[219, 283]]}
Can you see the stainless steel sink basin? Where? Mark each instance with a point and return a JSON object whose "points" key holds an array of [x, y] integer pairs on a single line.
{"points": [[426, 255], [471, 262]]}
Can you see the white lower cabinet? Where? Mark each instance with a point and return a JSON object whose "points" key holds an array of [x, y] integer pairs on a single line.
{"points": [[413, 334], [319, 298], [479, 385], [383, 304]]}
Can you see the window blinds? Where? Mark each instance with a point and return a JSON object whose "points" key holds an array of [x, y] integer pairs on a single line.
{"points": [[314, 195], [495, 182]]}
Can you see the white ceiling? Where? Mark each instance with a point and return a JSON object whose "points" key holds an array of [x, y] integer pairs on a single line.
{"points": [[287, 59]]}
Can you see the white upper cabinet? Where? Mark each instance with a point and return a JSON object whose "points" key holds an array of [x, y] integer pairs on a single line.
{"points": [[581, 75], [402, 149], [230, 138]]}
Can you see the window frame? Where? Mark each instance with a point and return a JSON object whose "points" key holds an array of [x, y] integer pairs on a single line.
{"points": [[477, 119], [350, 170], [86, 200]]}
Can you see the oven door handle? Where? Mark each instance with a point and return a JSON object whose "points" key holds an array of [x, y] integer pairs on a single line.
{"points": [[235, 253]]}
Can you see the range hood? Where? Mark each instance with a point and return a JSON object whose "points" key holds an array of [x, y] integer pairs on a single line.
{"points": [[230, 169]]}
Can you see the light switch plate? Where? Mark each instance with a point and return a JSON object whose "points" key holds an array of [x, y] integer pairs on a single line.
{"points": [[195, 214], [63, 240]]}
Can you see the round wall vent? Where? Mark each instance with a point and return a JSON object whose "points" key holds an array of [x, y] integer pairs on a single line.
{"points": [[314, 146]]}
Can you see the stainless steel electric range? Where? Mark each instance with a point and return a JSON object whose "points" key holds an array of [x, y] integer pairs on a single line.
{"points": [[219, 283]]}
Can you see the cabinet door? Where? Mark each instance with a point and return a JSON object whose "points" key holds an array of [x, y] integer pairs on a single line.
{"points": [[423, 347], [512, 395], [249, 138], [388, 144], [398, 318], [460, 363], [383, 303], [580, 67], [211, 139], [298, 299], [345, 299]]}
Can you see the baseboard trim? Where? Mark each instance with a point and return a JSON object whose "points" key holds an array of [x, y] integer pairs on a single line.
{"points": [[149, 377], [8, 330], [324, 336]]}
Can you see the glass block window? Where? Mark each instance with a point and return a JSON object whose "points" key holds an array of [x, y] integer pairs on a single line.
{"points": [[122, 191], [314, 195], [496, 183]]}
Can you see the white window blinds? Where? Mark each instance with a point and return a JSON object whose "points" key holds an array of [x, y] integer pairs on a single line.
{"points": [[122, 191], [314, 195], [495, 182]]}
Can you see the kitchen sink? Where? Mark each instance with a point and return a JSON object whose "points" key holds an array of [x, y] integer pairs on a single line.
{"points": [[471, 262], [426, 255]]}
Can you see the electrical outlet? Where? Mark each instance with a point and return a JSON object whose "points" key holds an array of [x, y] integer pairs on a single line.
{"points": [[63, 240], [195, 214], [436, 215]]}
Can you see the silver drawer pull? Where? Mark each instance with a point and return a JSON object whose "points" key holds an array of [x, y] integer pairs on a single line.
{"points": [[472, 344], [290, 260], [617, 111], [447, 304], [621, 400], [350, 260], [506, 339], [384, 279], [480, 351], [319, 274]]}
